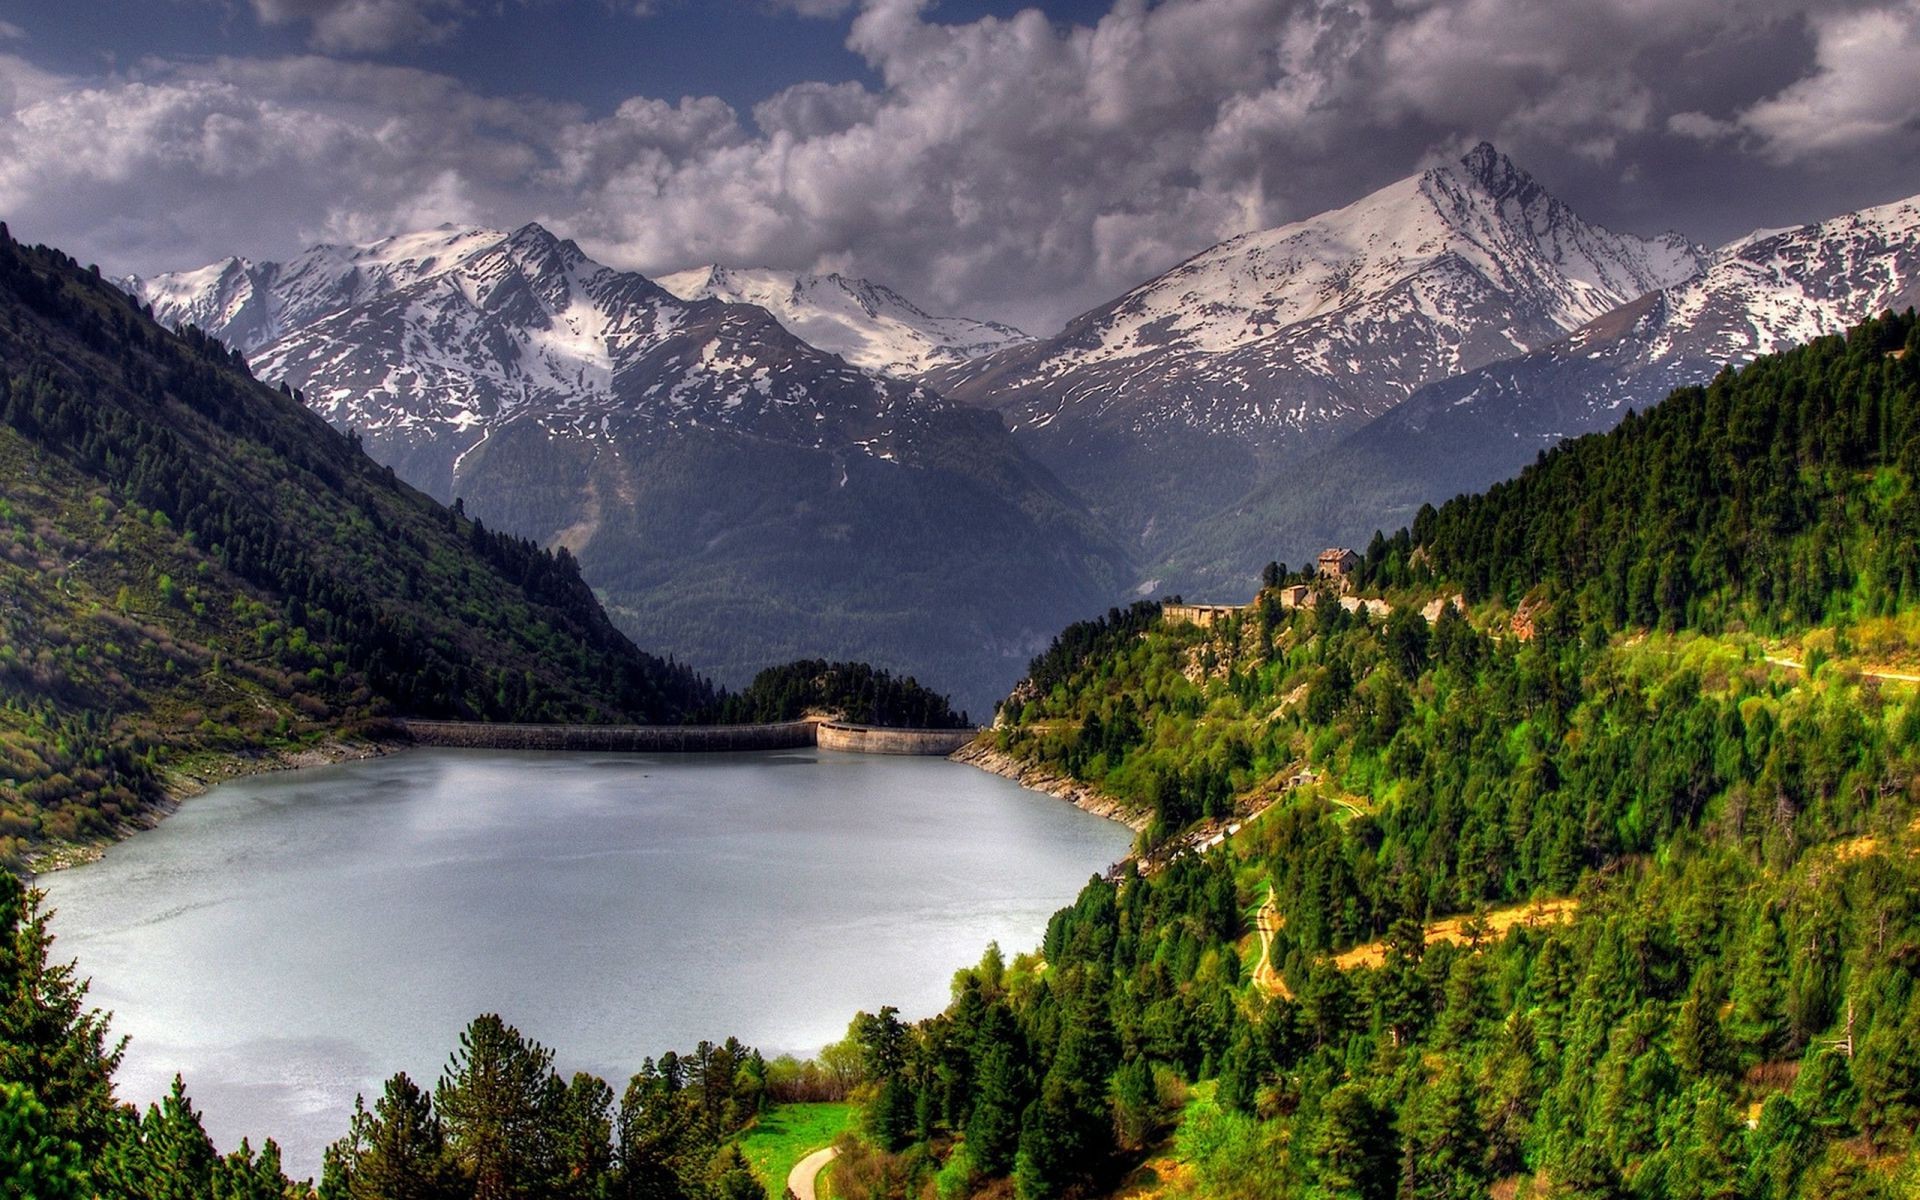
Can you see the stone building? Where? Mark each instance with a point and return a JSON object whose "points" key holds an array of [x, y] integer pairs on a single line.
{"points": [[1203, 615], [1337, 565]]}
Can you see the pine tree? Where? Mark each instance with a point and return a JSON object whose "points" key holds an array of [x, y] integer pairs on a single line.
{"points": [[1353, 1149], [497, 1099], [34, 1160], [993, 1128]]}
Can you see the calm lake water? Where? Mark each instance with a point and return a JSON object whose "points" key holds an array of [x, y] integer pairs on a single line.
{"points": [[289, 940]]}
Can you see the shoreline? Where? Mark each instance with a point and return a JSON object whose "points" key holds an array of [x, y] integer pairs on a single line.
{"points": [[981, 754], [200, 775]]}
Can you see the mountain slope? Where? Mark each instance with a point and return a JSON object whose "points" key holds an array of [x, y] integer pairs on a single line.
{"points": [[736, 495], [871, 326], [1610, 901], [1760, 294], [1179, 396], [195, 564]]}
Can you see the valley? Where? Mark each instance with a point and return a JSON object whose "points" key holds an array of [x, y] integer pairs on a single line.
{"points": [[1546, 829]]}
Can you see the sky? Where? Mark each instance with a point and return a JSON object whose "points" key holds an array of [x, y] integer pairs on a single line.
{"points": [[984, 157]]}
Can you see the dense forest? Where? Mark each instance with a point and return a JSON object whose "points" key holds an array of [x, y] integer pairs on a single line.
{"points": [[1719, 992], [849, 691]]}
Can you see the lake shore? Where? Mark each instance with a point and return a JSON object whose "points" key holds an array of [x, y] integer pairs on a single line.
{"points": [[199, 773], [983, 754]]}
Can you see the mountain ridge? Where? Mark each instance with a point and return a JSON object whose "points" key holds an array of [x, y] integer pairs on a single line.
{"points": [[1272, 343], [1760, 294], [729, 488], [868, 324]]}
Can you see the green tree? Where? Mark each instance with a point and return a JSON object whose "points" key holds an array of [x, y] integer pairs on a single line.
{"points": [[1886, 1071], [1353, 1147], [499, 1100], [34, 1161], [396, 1152]]}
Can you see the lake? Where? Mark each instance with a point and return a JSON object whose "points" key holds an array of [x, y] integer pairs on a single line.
{"points": [[287, 941]]}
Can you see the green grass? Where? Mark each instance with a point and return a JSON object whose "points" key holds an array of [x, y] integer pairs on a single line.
{"points": [[788, 1134]]}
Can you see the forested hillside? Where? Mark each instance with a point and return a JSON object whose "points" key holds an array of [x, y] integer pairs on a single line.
{"points": [[193, 565], [1686, 959], [849, 691]]}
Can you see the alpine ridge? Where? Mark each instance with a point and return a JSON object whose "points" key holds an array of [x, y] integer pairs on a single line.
{"points": [[868, 324], [730, 490], [1761, 294], [1273, 343]]}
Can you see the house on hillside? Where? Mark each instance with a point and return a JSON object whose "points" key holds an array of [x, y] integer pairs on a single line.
{"points": [[1203, 615], [1336, 565]]}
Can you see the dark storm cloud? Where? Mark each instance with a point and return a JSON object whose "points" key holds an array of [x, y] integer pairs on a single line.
{"points": [[1018, 167]]}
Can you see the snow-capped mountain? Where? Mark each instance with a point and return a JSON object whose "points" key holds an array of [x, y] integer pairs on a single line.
{"points": [[248, 304], [1763, 293], [868, 324], [1276, 341], [430, 340], [727, 486]]}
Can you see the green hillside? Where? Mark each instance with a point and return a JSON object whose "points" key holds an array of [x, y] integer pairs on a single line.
{"points": [[193, 567], [1574, 892]]}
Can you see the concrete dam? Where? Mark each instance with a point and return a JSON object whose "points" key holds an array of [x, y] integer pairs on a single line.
{"points": [[683, 739]]}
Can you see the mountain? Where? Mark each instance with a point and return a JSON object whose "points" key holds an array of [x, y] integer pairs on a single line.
{"points": [[736, 495], [195, 568], [871, 326], [248, 304], [1181, 395], [1758, 295], [1575, 889]]}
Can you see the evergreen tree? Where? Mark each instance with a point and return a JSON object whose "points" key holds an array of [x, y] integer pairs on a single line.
{"points": [[34, 1161], [499, 1100]]}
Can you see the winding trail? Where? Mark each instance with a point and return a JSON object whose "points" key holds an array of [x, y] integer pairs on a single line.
{"points": [[1869, 672], [800, 1180], [1266, 923]]}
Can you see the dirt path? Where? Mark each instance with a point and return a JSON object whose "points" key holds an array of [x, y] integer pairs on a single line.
{"points": [[800, 1179], [1266, 923], [1457, 929], [1869, 672]]}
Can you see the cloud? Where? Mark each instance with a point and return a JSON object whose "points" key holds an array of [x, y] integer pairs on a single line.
{"points": [[1865, 87], [1014, 167], [362, 25], [823, 9], [11, 32]]}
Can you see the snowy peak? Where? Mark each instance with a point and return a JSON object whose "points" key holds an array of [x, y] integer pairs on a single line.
{"points": [[1781, 288], [1278, 340], [1760, 294], [1478, 248], [444, 335], [868, 324]]}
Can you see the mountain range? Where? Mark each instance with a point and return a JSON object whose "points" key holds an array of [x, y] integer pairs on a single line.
{"points": [[1758, 295], [1176, 398], [870, 325], [735, 494], [753, 465]]}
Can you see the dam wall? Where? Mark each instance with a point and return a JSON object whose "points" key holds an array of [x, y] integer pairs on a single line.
{"points": [[658, 739], [682, 739], [874, 739]]}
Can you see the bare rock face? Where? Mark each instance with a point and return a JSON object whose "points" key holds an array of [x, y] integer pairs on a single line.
{"points": [[1181, 395]]}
